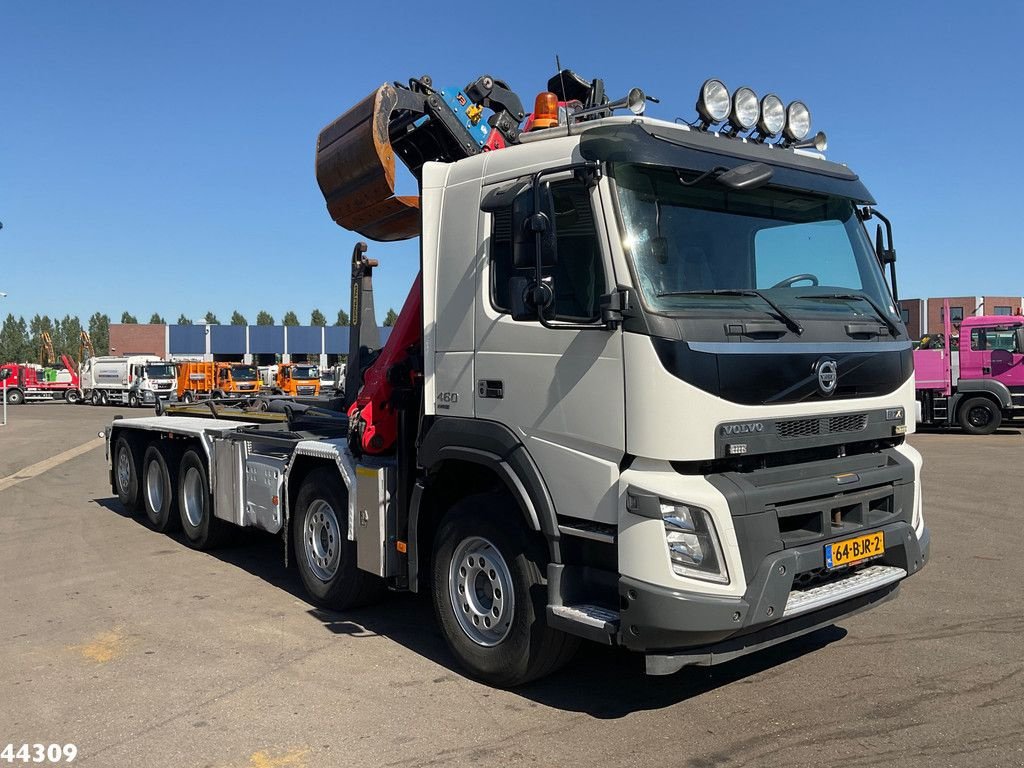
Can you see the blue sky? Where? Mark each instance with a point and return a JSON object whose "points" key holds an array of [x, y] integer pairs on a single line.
{"points": [[159, 157]]}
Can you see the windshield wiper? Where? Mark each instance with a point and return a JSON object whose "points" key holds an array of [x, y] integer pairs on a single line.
{"points": [[786, 317], [893, 329]]}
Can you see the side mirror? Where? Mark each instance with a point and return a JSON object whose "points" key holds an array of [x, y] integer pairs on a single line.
{"points": [[527, 300], [528, 223]]}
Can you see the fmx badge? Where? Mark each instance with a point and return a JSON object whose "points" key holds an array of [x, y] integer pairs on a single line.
{"points": [[828, 375]]}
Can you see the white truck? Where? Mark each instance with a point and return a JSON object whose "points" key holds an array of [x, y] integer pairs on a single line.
{"points": [[650, 388], [136, 380]]}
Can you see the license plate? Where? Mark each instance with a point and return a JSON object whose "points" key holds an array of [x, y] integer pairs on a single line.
{"points": [[849, 551]]}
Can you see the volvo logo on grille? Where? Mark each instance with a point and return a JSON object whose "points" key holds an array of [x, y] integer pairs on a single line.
{"points": [[828, 375], [742, 429]]}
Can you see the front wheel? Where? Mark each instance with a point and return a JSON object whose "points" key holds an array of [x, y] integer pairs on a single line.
{"points": [[980, 416], [15, 396], [326, 557], [490, 595]]}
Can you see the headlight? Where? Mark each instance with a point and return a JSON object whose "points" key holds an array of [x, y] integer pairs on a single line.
{"points": [[745, 109], [713, 102], [773, 115], [692, 542], [798, 121]]}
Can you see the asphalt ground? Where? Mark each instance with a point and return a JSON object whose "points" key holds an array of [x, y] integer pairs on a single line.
{"points": [[143, 652]]}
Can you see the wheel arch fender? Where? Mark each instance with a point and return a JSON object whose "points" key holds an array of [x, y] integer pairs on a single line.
{"points": [[495, 449], [994, 389], [307, 457]]}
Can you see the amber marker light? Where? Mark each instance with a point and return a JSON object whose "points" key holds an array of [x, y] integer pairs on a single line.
{"points": [[545, 110]]}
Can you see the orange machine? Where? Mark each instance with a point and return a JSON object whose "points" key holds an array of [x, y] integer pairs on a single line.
{"points": [[198, 381], [298, 379]]}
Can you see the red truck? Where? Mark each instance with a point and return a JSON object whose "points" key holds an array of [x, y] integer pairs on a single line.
{"points": [[975, 381], [26, 382]]}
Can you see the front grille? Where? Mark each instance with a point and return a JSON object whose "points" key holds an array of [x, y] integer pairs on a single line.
{"points": [[305, 390], [832, 425], [853, 422], [798, 428]]}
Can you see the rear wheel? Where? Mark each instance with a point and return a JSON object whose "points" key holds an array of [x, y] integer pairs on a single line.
{"points": [[490, 595], [133, 400], [203, 530], [326, 558], [187, 397], [217, 394], [104, 400], [979, 416], [94, 397], [72, 396], [158, 491], [126, 475], [15, 396]]}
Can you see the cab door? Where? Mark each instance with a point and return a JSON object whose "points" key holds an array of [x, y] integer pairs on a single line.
{"points": [[560, 390]]}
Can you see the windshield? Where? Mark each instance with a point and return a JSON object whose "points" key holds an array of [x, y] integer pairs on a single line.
{"points": [[306, 372], [160, 371], [243, 373], [807, 252]]}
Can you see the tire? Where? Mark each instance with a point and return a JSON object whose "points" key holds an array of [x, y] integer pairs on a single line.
{"points": [[326, 558], [158, 491], [187, 397], [15, 396], [133, 400], [979, 416], [94, 397], [486, 569], [202, 530], [126, 475], [217, 394], [104, 400], [72, 397]]}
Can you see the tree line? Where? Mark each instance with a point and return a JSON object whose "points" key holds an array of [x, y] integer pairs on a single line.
{"points": [[22, 342]]}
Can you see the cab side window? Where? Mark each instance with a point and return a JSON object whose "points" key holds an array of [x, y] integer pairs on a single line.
{"points": [[578, 276], [991, 339]]}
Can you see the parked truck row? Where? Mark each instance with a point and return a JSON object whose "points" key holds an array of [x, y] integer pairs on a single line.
{"points": [[649, 389], [144, 380]]}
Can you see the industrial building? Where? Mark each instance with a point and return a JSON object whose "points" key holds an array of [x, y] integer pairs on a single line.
{"points": [[259, 344], [924, 316]]}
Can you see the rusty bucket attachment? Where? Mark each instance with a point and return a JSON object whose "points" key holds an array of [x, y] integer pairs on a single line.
{"points": [[355, 168], [355, 155]]}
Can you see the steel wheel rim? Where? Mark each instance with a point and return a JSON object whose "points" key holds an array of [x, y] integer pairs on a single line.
{"points": [[321, 540], [193, 497], [979, 416], [124, 470], [155, 487], [480, 588]]}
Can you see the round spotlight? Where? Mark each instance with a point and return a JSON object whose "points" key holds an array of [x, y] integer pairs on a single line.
{"points": [[745, 109], [713, 102], [773, 116], [798, 121]]}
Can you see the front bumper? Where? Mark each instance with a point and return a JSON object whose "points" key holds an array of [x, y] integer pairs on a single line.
{"points": [[149, 396], [683, 628]]}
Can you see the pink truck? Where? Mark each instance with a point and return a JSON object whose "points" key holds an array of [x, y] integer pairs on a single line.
{"points": [[976, 383]]}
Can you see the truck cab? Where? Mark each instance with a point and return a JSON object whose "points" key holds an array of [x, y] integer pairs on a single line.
{"points": [[151, 380], [298, 379], [237, 378]]}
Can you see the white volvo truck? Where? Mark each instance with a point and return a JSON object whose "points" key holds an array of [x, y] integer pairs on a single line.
{"points": [[650, 389]]}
